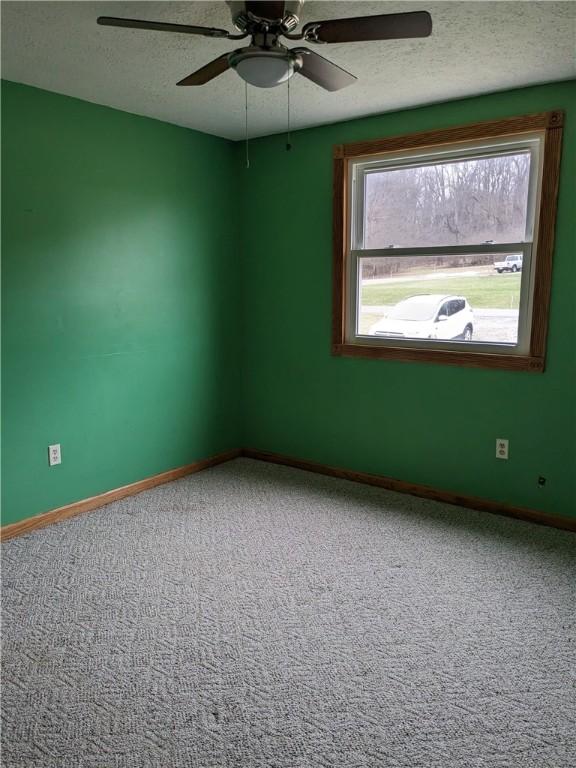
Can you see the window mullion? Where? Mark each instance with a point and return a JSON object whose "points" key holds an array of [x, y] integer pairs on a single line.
{"points": [[441, 250]]}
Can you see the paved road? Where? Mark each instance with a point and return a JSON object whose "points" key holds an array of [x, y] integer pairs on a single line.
{"points": [[495, 327]]}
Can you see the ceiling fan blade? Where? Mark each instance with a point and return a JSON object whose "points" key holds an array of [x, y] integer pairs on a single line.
{"points": [[389, 26], [265, 9], [323, 72], [208, 72], [160, 26]]}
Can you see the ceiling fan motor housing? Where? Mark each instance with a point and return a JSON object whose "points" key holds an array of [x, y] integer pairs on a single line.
{"points": [[283, 15]]}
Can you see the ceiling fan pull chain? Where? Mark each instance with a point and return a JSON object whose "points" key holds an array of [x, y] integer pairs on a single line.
{"points": [[288, 144], [246, 127]]}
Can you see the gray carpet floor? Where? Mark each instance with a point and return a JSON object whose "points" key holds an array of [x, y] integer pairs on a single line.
{"points": [[255, 616]]}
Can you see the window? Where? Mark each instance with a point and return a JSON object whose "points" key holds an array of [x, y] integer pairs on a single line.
{"points": [[443, 244]]}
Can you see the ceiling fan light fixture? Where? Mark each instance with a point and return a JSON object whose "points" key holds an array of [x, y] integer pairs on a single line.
{"points": [[266, 69]]}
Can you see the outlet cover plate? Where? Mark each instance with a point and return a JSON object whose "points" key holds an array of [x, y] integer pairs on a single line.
{"points": [[54, 455], [501, 448]]}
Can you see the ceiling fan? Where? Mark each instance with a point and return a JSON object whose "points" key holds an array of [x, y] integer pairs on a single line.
{"points": [[265, 62]]}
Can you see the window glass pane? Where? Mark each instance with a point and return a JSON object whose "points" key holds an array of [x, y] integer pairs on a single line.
{"points": [[462, 298], [452, 203]]}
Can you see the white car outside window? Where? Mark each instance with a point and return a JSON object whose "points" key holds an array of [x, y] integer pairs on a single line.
{"points": [[427, 316]]}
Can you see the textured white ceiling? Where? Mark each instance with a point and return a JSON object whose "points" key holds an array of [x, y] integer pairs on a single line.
{"points": [[475, 47]]}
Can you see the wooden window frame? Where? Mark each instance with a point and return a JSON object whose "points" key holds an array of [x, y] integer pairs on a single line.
{"points": [[550, 124]]}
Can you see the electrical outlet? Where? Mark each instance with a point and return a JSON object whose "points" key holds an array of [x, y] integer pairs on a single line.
{"points": [[54, 455], [501, 448]]}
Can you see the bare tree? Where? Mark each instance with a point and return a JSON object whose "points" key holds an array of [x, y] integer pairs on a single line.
{"points": [[470, 201]]}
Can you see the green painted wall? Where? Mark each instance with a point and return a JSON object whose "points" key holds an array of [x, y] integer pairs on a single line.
{"points": [[421, 423], [120, 298], [130, 311]]}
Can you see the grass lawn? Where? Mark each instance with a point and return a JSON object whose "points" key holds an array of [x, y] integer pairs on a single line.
{"points": [[493, 291]]}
